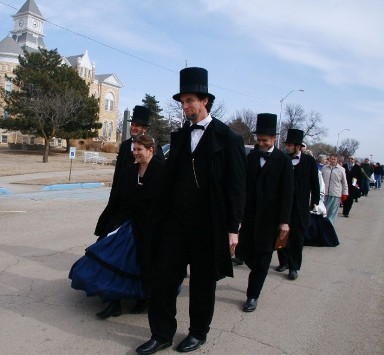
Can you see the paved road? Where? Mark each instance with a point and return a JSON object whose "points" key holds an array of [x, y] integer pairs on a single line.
{"points": [[336, 305]]}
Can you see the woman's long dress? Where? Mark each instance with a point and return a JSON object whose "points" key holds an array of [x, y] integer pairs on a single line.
{"points": [[112, 267]]}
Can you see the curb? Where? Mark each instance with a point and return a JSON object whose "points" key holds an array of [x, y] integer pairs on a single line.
{"points": [[86, 185]]}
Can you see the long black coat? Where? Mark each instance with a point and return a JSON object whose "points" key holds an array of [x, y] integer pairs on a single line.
{"points": [[306, 190], [226, 176], [128, 199], [268, 202]]}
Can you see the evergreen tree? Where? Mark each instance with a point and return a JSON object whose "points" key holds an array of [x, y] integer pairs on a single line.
{"points": [[51, 99]]}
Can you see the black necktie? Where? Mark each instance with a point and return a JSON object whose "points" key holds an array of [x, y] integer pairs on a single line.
{"points": [[196, 126]]}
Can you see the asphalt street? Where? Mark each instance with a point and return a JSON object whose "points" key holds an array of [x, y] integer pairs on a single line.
{"points": [[336, 306]]}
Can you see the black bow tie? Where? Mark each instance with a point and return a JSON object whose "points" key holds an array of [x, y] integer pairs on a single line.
{"points": [[296, 157], [196, 126], [265, 155]]}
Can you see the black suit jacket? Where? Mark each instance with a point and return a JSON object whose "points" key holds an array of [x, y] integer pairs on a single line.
{"points": [[268, 202], [226, 175], [306, 190]]}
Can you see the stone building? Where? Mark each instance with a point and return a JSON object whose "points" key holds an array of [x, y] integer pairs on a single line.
{"points": [[28, 34]]}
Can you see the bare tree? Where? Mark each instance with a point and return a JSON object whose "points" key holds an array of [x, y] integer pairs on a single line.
{"points": [[296, 117], [244, 123], [348, 147]]}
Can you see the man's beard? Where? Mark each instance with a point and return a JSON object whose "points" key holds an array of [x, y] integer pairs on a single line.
{"points": [[192, 117]]}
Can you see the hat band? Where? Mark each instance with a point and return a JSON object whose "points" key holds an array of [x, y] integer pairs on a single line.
{"points": [[198, 88]]}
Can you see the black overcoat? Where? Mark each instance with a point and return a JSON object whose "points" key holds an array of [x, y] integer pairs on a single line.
{"points": [[306, 190], [226, 176], [269, 197]]}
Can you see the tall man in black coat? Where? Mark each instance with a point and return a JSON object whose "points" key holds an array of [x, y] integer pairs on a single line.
{"points": [[306, 197], [139, 125], [204, 197], [268, 206]]}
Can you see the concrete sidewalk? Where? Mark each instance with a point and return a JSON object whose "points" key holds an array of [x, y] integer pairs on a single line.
{"points": [[336, 306]]}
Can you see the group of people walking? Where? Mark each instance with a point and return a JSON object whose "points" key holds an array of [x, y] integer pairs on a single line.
{"points": [[195, 209]]}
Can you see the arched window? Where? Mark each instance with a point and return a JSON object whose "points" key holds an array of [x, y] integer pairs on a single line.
{"points": [[105, 129], [109, 100]]}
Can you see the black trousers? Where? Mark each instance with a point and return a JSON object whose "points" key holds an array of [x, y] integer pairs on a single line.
{"points": [[347, 204], [259, 266], [292, 255], [183, 244]]}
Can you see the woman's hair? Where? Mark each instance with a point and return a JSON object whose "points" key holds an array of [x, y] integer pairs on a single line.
{"points": [[145, 140]]}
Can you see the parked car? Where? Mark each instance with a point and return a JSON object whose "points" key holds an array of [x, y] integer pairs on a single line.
{"points": [[165, 148]]}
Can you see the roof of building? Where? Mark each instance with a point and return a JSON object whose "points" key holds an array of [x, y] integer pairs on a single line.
{"points": [[30, 7], [9, 46], [110, 79]]}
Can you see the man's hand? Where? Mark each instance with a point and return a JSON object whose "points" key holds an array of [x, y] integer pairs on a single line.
{"points": [[283, 230], [233, 241]]}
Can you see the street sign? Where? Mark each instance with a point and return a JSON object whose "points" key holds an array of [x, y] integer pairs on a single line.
{"points": [[72, 152]]}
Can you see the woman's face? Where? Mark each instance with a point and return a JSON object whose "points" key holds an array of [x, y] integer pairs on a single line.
{"points": [[142, 154]]}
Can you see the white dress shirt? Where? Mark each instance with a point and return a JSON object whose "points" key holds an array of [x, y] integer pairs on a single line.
{"points": [[196, 134]]}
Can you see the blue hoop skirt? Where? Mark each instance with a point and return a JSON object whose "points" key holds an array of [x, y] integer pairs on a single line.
{"points": [[110, 268]]}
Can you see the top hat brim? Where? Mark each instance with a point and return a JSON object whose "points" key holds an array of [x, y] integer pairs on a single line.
{"points": [[139, 121], [177, 96]]}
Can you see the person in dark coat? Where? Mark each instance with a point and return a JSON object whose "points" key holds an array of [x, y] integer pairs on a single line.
{"points": [[353, 175], [116, 266], [204, 197], [268, 206], [139, 125], [306, 197]]}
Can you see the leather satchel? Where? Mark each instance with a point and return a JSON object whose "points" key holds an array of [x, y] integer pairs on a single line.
{"points": [[281, 243]]}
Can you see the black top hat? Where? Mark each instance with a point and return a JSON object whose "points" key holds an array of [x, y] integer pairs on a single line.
{"points": [[140, 115], [295, 136], [266, 124], [193, 80]]}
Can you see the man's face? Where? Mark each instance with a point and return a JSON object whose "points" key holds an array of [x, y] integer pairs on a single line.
{"points": [[265, 142], [366, 161], [351, 160], [193, 107], [292, 148], [137, 129], [333, 160]]}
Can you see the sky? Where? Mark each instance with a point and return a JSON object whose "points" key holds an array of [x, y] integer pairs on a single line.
{"points": [[256, 52]]}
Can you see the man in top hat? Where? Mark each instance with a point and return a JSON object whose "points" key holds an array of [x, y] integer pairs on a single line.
{"points": [[269, 195], [306, 196], [204, 191], [139, 126]]}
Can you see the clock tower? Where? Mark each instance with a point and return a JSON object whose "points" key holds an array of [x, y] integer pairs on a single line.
{"points": [[28, 30]]}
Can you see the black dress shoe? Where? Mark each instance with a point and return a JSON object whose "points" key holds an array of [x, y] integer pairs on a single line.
{"points": [[139, 307], [152, 346], [113, 310], [293, 274], [281, 268], [250, 305], [189, 344]]}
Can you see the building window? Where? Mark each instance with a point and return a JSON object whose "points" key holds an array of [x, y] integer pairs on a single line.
{"points": [[109, 100], [105, 129], [8, 86], [24, 140], [52, 142], [59, 142], [32, 140], [4, 139], [110, 129]]}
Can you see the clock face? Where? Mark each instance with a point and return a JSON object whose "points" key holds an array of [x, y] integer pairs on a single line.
{"points": [[21, 22]]}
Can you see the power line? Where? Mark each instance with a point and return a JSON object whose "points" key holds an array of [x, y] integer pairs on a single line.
{"points": [[133, 56]]}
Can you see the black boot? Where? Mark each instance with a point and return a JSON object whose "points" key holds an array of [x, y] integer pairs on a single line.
{"points": [[139, 307], [113, 310]]}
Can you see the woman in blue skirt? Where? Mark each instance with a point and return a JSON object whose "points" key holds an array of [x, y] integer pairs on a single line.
{"points": [[115, 266]]}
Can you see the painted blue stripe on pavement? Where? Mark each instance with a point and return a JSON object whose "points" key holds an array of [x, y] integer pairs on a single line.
{"points": [[86, 185], [4, 191]]}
